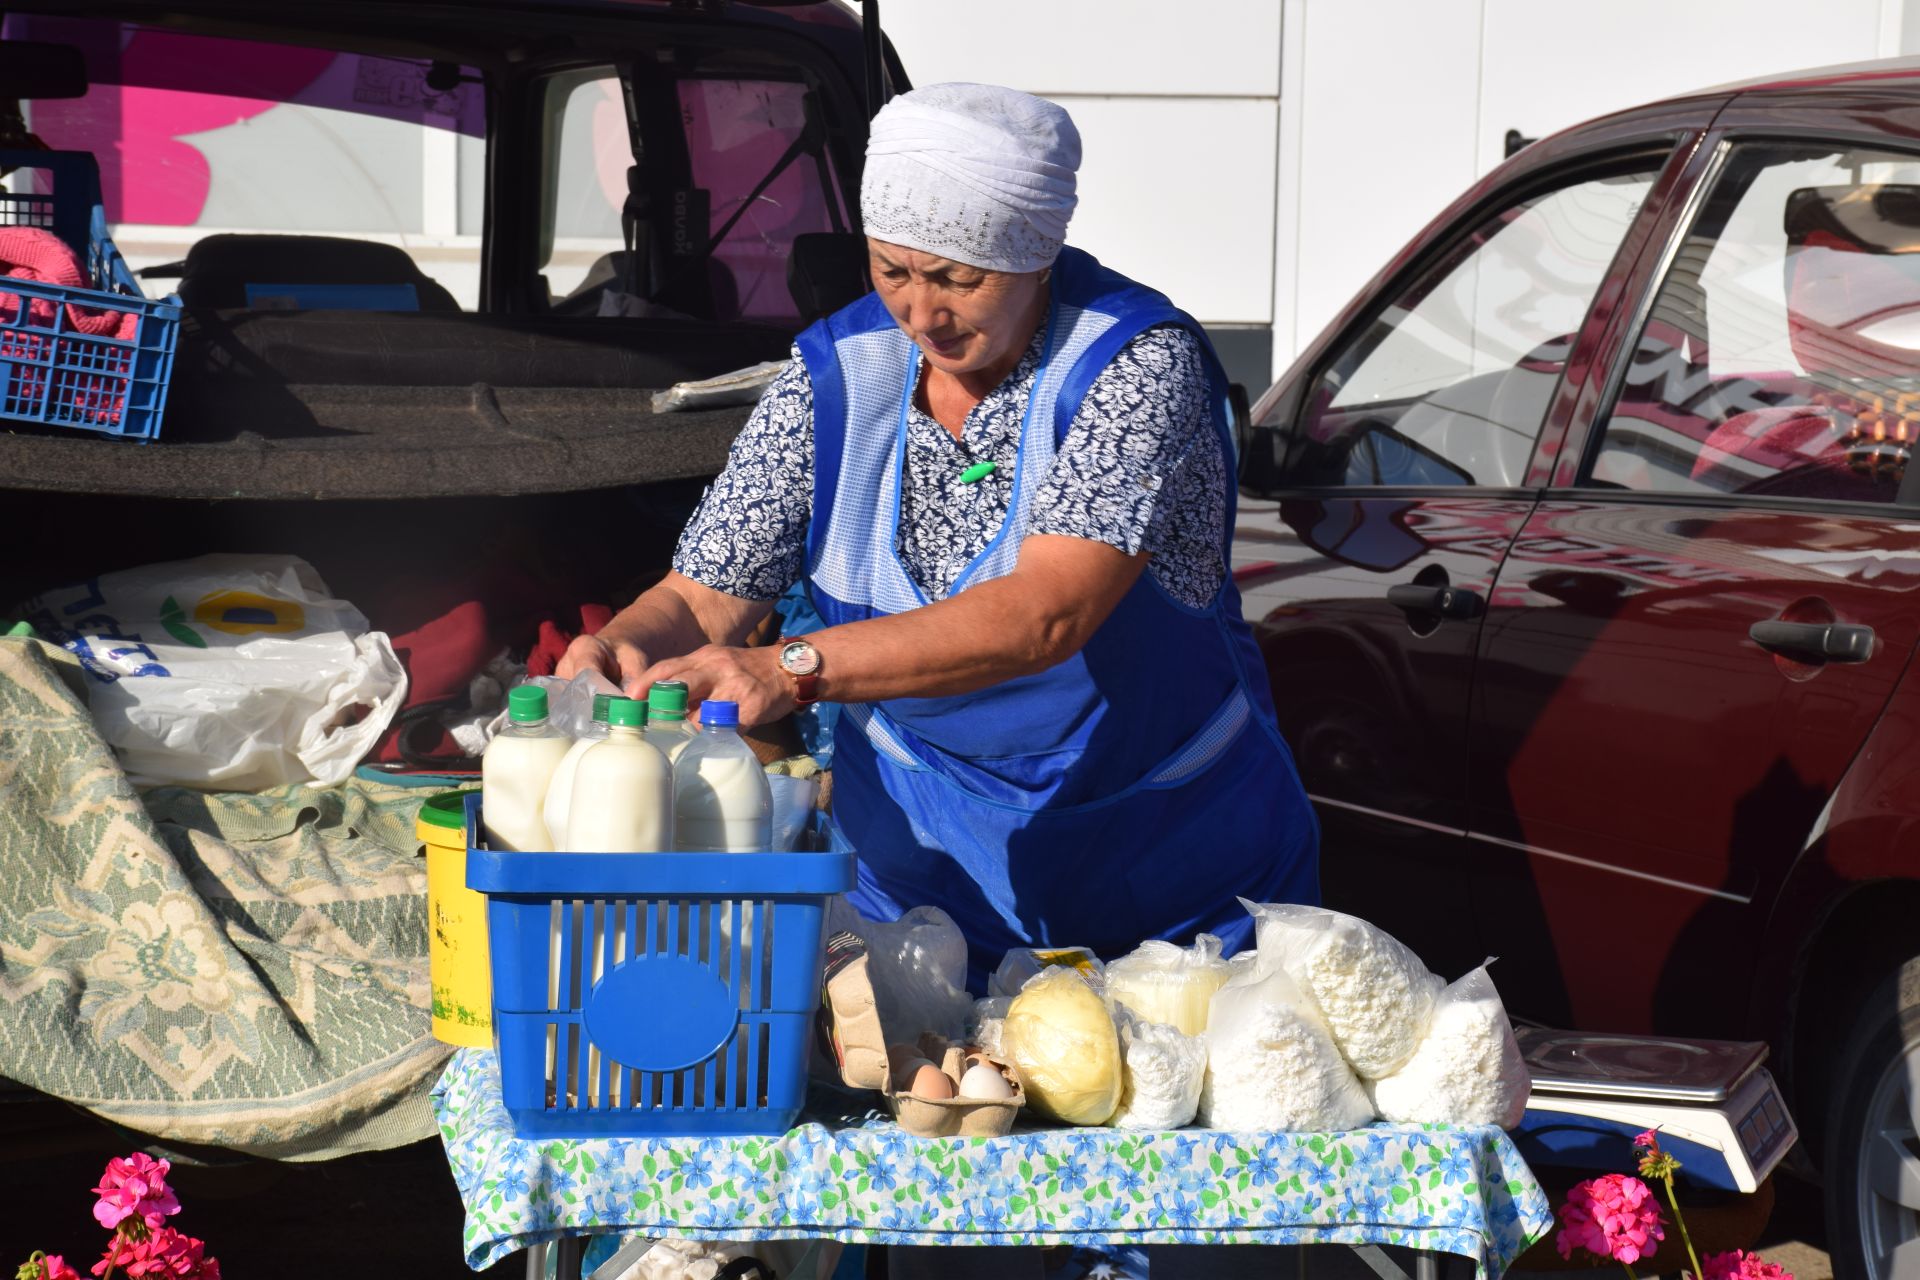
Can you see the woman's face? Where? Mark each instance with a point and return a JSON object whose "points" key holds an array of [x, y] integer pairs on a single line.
{"points": [[964, 318]]}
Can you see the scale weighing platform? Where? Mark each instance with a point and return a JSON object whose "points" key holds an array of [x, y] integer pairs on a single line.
{"points": [[1716, 1107]]}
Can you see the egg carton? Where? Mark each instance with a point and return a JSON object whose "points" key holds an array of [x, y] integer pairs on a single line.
{"points": [[866, 1061]]}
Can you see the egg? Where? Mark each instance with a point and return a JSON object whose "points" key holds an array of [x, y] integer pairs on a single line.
{"points": [[984, 1081], [932, 1083], [905, 1069]]}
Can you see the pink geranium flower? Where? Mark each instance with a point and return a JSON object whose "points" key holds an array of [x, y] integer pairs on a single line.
{"points": [[1740, 1265], [134, 1185], [57, 1268], [1647, 1138], [1611, 1217], [164, 1255]]}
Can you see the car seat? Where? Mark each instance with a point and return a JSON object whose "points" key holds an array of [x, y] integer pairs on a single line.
{"points": [[219, 268]]}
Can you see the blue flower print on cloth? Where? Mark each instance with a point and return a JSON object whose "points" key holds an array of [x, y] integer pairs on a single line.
{"points": [[1139, 470], [859, 1179]]}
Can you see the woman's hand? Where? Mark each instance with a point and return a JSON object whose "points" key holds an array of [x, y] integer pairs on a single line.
{"points": [[750, 677], [620, 661]]}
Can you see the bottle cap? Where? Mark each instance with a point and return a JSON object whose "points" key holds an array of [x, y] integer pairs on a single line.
{"points": [[667, 700], [721, 715], [527, 703], [625, 713], [600, 701]]}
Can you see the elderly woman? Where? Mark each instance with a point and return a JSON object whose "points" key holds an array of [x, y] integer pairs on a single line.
{"points": [[1004, 478]]}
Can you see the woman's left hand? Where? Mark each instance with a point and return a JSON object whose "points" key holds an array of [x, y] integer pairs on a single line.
{"points": [[750, 677]]}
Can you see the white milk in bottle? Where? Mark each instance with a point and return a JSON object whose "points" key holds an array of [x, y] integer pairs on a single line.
{"points": [[623, 790], [667, 725], [560, 790], [514, 773], [721, 800]]}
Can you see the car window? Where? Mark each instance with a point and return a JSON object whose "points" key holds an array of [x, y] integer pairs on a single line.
{"points": [[1449, 384], [744, 180], [197, 135], [1781, 355]]}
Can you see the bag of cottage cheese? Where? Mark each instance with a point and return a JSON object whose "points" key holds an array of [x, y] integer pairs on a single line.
{"points": [[1164, 1071], [1272, 1064], [1468, 1069], [1374, 993]]}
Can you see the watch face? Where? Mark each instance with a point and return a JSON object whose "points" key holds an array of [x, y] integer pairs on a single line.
{"points": [[800, 658]]}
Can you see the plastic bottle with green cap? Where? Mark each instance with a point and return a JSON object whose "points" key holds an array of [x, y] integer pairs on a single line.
{"points": [[623, 790], [560, 790], [667, 725], [515, 773]]}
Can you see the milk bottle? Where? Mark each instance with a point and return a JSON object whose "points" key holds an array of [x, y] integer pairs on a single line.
{"points": [[560, 790], [515, 770], [721, 800], [623, 790], [667, 726]]}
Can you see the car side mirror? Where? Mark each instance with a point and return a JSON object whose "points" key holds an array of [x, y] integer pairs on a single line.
{"points": [[1262, 434], [36, 69]]}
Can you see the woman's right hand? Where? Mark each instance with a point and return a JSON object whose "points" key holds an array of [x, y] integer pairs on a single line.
{"points": [[620, 661]]}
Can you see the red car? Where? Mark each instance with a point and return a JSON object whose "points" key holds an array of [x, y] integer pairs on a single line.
{"points": [[1585, 555]]}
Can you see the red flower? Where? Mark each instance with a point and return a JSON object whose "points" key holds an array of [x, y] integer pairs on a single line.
{"points": [[1648, 1138], [1739, 1265], [1611, 1217], [135, 1185], [164, 1255], [57, 1268]]}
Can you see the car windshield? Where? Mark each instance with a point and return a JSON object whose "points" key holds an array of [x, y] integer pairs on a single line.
{"points": [[197, 135]]}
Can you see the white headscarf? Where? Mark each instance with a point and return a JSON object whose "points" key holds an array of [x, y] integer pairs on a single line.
{"points": [[972, 172]]}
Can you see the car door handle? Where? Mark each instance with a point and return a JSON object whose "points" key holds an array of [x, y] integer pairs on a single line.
{"points": [[1814, 642], [1440, 601]]}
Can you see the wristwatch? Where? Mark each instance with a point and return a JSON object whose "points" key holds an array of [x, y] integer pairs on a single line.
{"points": [[801, 661]]}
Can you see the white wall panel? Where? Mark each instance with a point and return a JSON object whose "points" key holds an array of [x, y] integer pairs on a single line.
{"points": [[1226, 47], [1389, 100], [1549, 64], [1178, 193]]}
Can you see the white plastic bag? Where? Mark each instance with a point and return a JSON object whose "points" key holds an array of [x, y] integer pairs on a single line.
{"points": [[1374, 993], [1165, 1070], [1468, 1070], [235, 672], [1272, 1064], [1169, 984], [987, 1024], [918, 966], [1019, 966]]}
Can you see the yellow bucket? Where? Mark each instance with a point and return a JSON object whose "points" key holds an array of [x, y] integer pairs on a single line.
{"points": [[456, 927]]}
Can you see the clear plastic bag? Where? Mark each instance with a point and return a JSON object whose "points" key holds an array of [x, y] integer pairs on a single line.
{"points": [[986, 1024], [1165, 1070], [918, 965], [1468, 1069], [1169, 984], [1061, 1038], [1374, 993], [1019, 966], [1272, 1063]]}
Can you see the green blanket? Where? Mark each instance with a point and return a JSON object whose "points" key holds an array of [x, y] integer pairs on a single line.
{"points": [[245, 971]]}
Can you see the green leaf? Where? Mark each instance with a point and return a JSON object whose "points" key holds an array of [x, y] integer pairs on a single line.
{"points": [[1244, 1181], [900, 1195], [1317, 1145], [1026, 1170], [837, 1164], [1471, 1189], [1209, 1198], [1516, 1188], [1433, 1179], [861, 1186], [1406, 1158], [1018, 1204], [1052, 1188], [1215, 1163], [1153, 1158], [1400, 1195], [678, 1182], [1243, 1155], [651, 1165]]}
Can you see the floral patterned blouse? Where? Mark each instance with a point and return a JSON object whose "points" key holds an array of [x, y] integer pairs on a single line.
{"points": [[1138, 470]]}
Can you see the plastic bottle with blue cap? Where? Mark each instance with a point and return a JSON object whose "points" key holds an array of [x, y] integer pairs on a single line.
{"points": [[721, 800]]}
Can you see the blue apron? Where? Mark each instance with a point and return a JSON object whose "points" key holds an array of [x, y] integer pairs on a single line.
{"points": [[1132, 791]]}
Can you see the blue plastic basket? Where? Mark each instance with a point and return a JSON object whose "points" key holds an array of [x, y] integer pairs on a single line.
{"points": [[53, 373], [654, 993]]}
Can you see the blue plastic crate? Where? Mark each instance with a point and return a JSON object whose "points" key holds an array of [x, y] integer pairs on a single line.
{"points": [[52, 372], [654, 993]]}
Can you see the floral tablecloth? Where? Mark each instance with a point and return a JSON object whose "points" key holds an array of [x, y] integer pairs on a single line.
{"points": [[857, 1177]]}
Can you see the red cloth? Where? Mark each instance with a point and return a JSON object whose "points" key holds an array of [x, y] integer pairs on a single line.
{"points": [[36, 254], [551, 645]]}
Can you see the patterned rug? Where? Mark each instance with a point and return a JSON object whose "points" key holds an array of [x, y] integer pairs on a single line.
{"points": [[246, 971]]}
